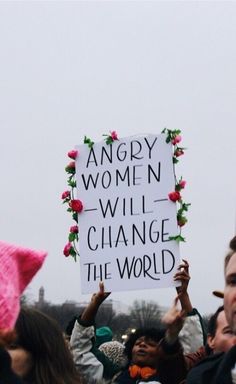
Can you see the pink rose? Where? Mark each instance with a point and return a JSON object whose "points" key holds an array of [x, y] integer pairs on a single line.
{"points": [[76, 205], [174, 196], [179, 152], [72, 154], [67, 249], [114, 135], [65, 195], [182, 184], [74, 229], [71, 164], [70, 168], [176, 140]]}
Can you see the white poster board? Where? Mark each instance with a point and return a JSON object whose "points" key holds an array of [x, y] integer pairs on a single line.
{"points": [[127, 219]]}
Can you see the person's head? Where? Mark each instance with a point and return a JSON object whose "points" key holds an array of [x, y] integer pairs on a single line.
{"points": [[232, 250], [114, 351], [220, 337], [39, 354], [103, 335], [230, 285], [142, 347]]}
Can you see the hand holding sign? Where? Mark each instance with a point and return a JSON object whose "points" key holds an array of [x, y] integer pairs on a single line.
{"points": [[89, 314], [182, 275]]}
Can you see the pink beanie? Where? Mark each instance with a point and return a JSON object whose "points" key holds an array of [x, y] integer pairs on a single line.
{"points": [[18, 266]]}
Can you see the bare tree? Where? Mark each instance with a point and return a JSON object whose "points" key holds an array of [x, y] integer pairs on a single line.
{"points": [[105, 316], [145, 314]]}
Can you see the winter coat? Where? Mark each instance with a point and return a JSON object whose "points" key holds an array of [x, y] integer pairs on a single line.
{"points": [[171, 367], [95, 367], [216, 369]]}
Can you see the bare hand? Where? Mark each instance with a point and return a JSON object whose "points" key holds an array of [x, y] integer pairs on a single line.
{"points": [[173, 320], [89, 313], [101, 295], [182, 275]]}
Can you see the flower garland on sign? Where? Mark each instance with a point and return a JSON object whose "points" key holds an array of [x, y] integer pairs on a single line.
{"points": [[174, 138], [75, 206]]}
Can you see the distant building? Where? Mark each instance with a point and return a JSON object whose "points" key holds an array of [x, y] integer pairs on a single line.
{"points": [[115, 305], [41, 299]]}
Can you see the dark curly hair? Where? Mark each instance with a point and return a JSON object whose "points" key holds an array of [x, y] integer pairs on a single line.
{"points": [[149, 333]]}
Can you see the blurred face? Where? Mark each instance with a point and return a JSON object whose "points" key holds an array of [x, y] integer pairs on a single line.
{"points": [[22, 361], [145, 352], [224, 339], [230, 293]]}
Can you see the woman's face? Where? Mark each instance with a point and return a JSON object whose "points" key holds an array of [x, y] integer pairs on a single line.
{"points": [[145, 352], [22, 360]]}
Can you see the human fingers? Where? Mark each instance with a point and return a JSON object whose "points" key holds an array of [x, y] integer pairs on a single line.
{"points": [[183, 268], [182, 275], [102, 290], [101, 287]]}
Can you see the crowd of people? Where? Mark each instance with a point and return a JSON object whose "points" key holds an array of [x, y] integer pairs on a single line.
{"points": [[35, 350]]}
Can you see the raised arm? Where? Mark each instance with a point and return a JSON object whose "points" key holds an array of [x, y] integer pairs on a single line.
{"points": [[193, 324], [173, 321], [82, 340], [89, 313], [183, 276]]}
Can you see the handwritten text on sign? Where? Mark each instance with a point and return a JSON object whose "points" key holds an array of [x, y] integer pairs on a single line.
{"points": [[127, 218]]}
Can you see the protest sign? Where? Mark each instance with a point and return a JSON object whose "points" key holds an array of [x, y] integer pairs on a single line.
{"points": [[127, 219]]}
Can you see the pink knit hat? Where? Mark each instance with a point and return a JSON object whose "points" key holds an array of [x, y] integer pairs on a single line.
{"points": [[18, 266]]}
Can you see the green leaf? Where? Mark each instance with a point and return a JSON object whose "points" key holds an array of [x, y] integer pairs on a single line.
{"points": [[175, 160], [109, 140], [75, 216], [70, 170], [71, 237], [177, 238], [178, 187], [72, 183], [72, 251], [176, 132], [88, 141], [185, 206], [168, 139]]}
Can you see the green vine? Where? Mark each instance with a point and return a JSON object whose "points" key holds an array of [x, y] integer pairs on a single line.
{"points": [[75, 206], [174, 137]]}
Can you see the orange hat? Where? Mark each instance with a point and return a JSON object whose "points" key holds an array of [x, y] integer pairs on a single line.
{"points": [[18, 266]]}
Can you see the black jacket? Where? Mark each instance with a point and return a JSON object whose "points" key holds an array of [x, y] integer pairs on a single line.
{"points": [[215, 369]]}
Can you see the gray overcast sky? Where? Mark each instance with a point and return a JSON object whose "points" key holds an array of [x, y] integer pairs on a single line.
{"points": [[74, 68]]}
